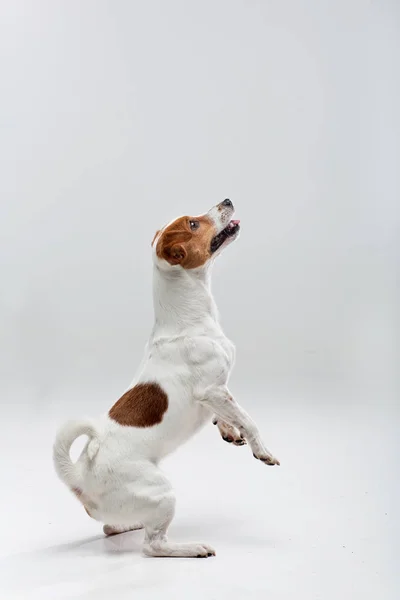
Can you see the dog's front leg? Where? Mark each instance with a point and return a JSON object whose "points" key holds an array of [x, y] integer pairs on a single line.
{"points": [[219, 400], [229, 433]]}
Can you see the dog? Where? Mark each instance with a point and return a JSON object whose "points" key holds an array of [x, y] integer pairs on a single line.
{"points": [[181, 385]]}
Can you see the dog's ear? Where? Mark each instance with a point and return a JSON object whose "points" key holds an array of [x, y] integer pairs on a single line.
{"points": [[155, 235], [175, 254], [171, 246]]}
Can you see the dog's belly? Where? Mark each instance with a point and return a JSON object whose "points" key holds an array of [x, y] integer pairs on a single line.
{"points": [[180, 424]]}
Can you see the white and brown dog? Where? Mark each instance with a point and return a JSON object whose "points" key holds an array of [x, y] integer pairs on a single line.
{"points": [[181, 385]]}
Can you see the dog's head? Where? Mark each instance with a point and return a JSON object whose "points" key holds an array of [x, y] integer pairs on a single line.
{"points": [[191, 242]]}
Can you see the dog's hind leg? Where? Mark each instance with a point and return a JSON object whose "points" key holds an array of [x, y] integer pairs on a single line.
{"points": [[156, 542], [147, 498], [154, 503]]}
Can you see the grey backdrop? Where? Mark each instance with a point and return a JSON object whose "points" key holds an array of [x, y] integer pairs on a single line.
{"points": [[118, 116]]}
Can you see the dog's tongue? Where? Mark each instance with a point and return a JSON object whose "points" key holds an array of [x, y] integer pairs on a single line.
{"points": [[233, 223]]}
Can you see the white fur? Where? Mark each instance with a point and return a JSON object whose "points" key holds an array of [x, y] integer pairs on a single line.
{"points": [[117, 476]]}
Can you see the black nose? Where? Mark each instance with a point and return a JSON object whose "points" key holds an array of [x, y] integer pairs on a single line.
{"points": [[227, 202]]}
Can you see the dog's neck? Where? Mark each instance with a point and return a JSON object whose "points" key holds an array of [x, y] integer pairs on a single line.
{"points": [[182, 300]]}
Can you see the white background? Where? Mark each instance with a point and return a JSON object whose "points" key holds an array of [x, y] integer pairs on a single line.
{"points": [[117, 117]]}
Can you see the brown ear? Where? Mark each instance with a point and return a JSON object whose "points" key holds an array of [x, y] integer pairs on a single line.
{"points": [[155, 235], [174, 254]]}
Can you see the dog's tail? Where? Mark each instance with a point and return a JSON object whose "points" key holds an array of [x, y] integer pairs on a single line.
{"points": [[71, 473]]}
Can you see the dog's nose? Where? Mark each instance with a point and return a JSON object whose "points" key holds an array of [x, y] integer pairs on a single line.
{"points": [[227, 202]]}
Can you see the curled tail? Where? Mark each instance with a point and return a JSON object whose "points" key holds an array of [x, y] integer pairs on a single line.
{"points": [[69, 472]]}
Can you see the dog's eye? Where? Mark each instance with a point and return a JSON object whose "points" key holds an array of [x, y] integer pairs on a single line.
{"points": [[194, 225]]}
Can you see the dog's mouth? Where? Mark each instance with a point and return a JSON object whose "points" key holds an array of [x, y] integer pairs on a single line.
{"points": [[230, 230]]}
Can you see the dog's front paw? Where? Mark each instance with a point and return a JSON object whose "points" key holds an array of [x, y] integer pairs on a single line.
{"points": [[267, 459], [229, 433]]}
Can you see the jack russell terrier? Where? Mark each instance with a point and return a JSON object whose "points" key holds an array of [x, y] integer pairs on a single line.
{"points": [[180, 386]]}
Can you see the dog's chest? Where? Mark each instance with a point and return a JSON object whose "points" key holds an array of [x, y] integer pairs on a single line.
{"points": [[190, 361], [210, 358]]}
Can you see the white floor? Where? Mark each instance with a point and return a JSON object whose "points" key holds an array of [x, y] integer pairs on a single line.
{"points": [[325, 525]]}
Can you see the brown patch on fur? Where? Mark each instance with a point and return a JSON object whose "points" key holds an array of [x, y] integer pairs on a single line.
{"points": [[142, 406], [88, 512], [180, 245]]}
